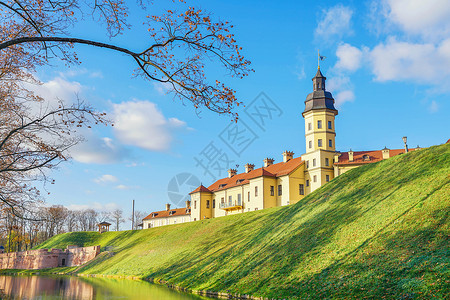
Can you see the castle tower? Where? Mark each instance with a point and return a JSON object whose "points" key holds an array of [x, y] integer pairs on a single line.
{"points": [[320, 134]]}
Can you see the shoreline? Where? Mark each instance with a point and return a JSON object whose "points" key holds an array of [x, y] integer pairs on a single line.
{"points": [[207, 293]]}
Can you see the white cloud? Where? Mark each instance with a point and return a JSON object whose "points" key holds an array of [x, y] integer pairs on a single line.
{"points": [[341, 88], [135, 164], [162, 88], [98, 150], [434, 107], [142, 124], [349, 57], [344, 96], [54, 90], [95, 206], [427, 18], [421, 62], [126, 187], [74, 72], [106, 178], [334, 22]]}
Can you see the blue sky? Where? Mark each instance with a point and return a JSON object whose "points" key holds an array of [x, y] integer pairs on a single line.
{"points": [[387, 65]]}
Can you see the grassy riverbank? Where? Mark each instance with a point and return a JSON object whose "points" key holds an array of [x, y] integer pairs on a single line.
{"points": [[381, 230]]}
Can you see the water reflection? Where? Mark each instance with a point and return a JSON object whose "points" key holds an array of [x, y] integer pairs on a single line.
{"points": [[43, 287]]}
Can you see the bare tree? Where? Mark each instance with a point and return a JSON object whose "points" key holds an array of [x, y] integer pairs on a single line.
{"points": [[138, 217], [117, 218]]}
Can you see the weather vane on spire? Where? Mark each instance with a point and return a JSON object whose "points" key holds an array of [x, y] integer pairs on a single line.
{"points": [[319, 58]]}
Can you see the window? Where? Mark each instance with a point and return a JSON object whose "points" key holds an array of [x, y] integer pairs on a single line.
{"points": [[239, 199], [195, 219], [280, 190], [319, 124], [256, 208], [214, 203], [63, 262], [329, 124], [272, 190], [301, 189], [307, 182], [230, 200], [319, 142], [248, 198], [310, 144], [195, 204], [330, 143], [309, 126], [222, 200], [314, 162], [207, 203], [327, 178], [315, 178], [307, 164], [256, 191], [327, 162]]}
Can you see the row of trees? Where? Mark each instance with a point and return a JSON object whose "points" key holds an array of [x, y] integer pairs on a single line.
{"points": [[22, 229]]}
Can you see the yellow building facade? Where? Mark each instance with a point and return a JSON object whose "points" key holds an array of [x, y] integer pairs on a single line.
{"points": [[289, 181], [270, 186]]}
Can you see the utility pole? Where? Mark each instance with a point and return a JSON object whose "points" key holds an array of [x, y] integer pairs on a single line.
{"points": [[132, 218]]}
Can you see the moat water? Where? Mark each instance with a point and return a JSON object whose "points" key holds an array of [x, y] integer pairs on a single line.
{"points": [[67, 287]]}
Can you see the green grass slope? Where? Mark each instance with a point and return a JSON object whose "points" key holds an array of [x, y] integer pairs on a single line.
{"points": [[381, 230]]}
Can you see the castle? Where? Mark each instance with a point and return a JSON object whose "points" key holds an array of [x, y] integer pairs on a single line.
{"points": [[283, 183]]}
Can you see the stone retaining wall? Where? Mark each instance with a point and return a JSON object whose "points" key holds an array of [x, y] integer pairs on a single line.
{"points": [[43, 258]]}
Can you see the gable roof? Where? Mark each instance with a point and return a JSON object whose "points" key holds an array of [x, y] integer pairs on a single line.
{"points": [[201, 188], [275, 170], [373, 155], [168, 213]]}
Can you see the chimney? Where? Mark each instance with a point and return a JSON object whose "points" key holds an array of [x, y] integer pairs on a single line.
{"points": [[336, 157], [268, 162], [167, 206], [188, 204], [249, 168], [350, 155], [231, 172], [385, 153], [287, 155]]}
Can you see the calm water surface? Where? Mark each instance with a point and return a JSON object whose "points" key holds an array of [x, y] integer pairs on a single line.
{"points": [[66, 287]]}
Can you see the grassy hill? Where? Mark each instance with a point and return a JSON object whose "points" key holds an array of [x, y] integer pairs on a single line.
{"points": [[381, 230]]}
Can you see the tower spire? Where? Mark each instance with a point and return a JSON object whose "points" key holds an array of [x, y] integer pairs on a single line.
{"points": [[318, 59]]}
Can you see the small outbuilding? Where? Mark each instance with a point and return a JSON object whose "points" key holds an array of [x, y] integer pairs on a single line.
{"points": [[103, 227]]}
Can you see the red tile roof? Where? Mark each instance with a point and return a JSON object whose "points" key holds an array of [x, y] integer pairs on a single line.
{"points": [[374, 156], [201, 188], [275, 170], [168, 213]]}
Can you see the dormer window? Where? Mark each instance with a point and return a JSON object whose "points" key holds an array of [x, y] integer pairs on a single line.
{"points": [[239, 181], [366, 157], [154, 215], [171, 212], [222, 185]]}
